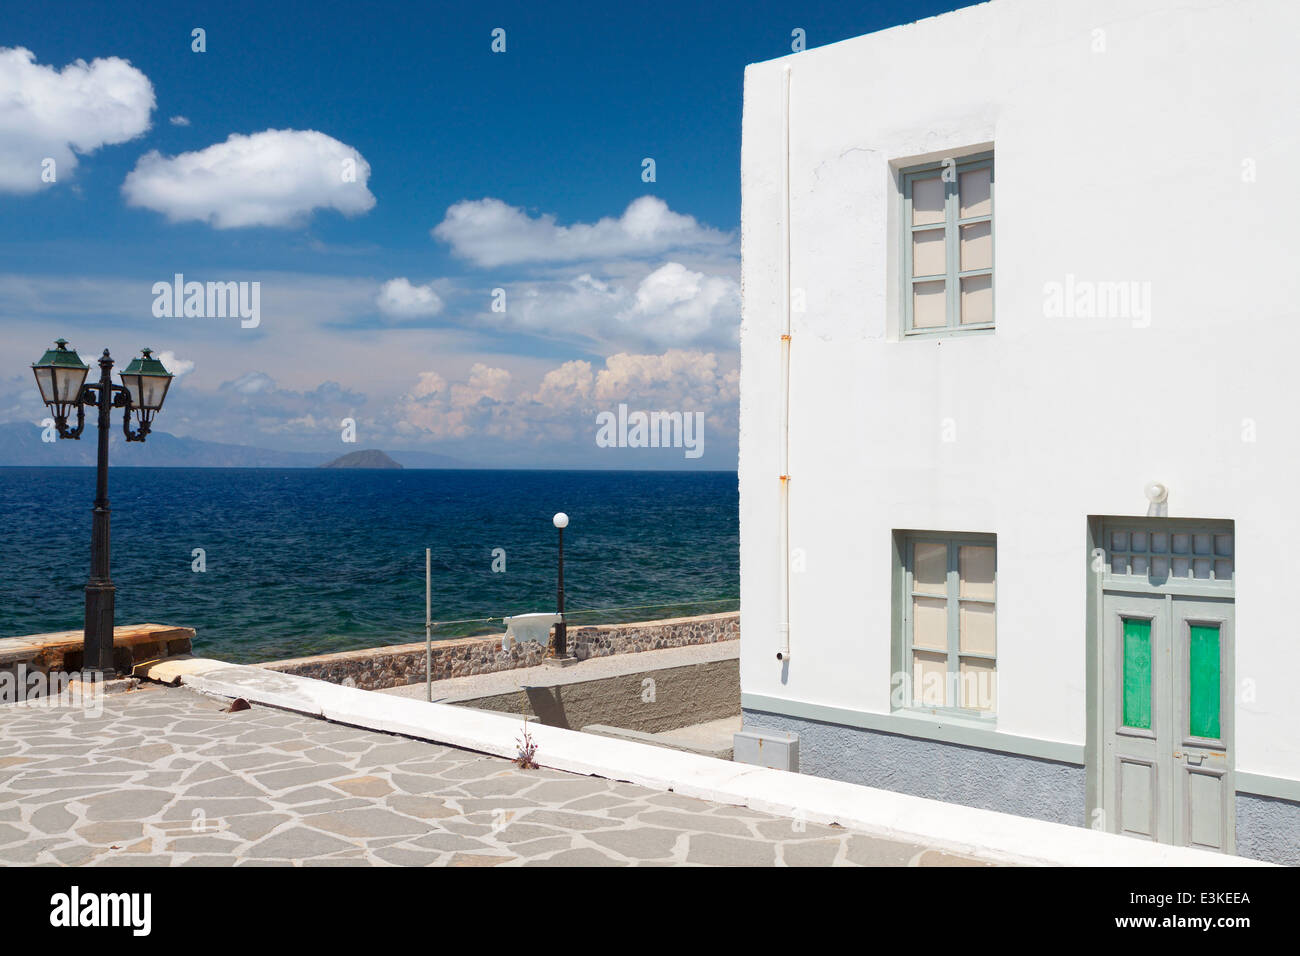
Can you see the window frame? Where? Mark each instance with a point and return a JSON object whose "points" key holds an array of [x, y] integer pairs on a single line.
{"points": [[907, 541], [952, 225]]}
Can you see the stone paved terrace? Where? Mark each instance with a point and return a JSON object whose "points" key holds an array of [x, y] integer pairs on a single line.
{"points": [[166, 776]]}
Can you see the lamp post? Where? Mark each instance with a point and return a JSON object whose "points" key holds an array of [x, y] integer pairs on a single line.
{"points": [[561, 521], [61, 377]]}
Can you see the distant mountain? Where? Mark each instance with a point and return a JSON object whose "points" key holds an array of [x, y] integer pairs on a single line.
{"points": [[370, 458], [21, 445]]}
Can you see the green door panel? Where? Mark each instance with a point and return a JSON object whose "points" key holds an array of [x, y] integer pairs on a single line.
{"points": [[1137, 673], [1204, 681]]}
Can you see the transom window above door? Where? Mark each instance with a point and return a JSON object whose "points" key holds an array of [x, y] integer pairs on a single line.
{"points": [[1169, 552], [948, 246]]}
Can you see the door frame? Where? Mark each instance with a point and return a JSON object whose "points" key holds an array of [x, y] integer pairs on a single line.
{"points": [[1096, 778]]}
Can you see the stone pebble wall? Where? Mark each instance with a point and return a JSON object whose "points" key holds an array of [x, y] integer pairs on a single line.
{"points": [[380, 667]]}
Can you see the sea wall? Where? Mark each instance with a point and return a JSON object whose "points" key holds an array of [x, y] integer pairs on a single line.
{"points": [[379, 667], [62, 651]]}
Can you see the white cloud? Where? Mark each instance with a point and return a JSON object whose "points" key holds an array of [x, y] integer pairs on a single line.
{"points": [[251, 383], [429, 383], [674, 305], [398, 297], [57, 114], [180, 121], [559, 307], [479, 405], [648, 279], [273, 178], [570, 384], [669, 306], [684, 379], [174, 364], [563, 407], [488, 232], [254, 409], [485, 384], [500, 407], [326, 323]]}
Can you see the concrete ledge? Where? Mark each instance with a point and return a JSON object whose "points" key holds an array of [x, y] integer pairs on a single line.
{"points": [[986, 834], [18, 650], [63, 650], [667, 740], [173, 670], [1262, 785]]}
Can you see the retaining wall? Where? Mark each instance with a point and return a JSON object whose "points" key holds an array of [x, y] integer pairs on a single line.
{"points": [[379, 667]]}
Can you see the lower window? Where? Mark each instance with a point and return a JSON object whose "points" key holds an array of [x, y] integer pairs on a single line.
{"points": [[949, 621]]}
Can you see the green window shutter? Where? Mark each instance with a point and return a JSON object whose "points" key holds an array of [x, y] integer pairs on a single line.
{"points": [[1137, 673], [1203, 681]]}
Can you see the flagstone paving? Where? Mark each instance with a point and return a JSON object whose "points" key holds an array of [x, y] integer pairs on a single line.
{"points": [[165, 776]]}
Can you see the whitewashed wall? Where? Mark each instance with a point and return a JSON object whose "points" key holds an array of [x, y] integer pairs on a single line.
{"points": [[1124, 164]]}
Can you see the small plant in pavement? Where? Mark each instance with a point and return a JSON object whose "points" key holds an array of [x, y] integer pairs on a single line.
{"points": [[527, 750]]}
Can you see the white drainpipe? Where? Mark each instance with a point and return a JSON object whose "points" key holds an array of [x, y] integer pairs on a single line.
{"points": [[783, 625]]}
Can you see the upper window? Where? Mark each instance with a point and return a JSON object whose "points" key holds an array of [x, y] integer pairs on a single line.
{"points": [[948, 246], [949, 633]]}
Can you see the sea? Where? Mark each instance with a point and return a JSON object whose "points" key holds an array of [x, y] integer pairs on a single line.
{"points": [[269, 564]]}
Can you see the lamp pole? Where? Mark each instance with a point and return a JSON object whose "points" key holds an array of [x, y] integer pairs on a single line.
{"points": [[561, 521], [61, 378], [101, 593]]}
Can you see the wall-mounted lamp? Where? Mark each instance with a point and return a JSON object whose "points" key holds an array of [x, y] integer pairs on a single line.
{"points": [[1158, 496]]}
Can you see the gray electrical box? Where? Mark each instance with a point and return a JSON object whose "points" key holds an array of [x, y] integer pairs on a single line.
{"points": [[775, 749]]}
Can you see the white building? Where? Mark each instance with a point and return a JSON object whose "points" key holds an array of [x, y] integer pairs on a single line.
{"points": [[1037, 260]]}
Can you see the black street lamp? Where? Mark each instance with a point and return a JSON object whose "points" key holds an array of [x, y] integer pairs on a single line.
{"points": [[61, 376], [561, 521]]}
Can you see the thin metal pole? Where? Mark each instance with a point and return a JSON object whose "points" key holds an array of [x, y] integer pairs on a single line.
{"points": [[100, 592], [428, 627]]}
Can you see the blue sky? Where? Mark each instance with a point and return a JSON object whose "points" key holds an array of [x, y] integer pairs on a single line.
{"points": [[478, 170]]}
